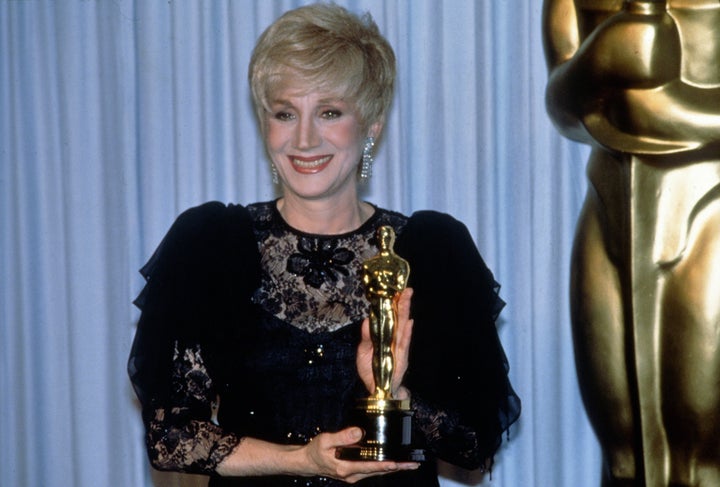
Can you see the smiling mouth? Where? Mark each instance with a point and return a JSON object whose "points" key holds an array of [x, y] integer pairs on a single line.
{"points": [[302, 164]]}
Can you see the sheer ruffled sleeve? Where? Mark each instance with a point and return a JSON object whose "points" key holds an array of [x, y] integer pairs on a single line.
{"points": [[458, 371], [199, 282]]}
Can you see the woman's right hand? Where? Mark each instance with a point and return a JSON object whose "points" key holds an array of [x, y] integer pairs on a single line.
{"points": [[323, 462], [259, 458]]}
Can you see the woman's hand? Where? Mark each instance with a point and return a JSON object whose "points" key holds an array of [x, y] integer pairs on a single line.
{"points": [[320, 453], [257, 458], [403, 335]]}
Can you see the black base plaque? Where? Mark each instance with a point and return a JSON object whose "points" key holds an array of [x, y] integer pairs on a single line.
{"points": [[388, 433]]}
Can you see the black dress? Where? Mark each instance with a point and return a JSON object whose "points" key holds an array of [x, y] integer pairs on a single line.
{"points": [[250, 328]]}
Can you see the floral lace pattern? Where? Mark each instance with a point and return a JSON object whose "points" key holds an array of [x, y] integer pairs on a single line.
{"points": [[319, 262], [313, 281], [440, 427], [176, 441]]}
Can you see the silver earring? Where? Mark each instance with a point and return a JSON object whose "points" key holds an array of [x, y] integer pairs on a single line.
{"points": [[367, 159], [275, 177]]}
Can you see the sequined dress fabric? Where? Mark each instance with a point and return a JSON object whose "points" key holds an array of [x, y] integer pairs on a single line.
{"points": [[250, 328]]}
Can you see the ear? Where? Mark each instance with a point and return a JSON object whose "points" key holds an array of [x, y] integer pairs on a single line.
{"points": [[375, 129]]}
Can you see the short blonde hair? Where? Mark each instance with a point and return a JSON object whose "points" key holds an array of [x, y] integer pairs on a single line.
{"points": [[329, 49]]}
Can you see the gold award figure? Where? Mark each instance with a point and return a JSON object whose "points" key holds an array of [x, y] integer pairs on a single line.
{"points": [[384, 276], [639, 81], [387, 421]]}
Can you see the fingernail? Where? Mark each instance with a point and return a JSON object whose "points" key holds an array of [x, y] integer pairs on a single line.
{"points": [[356, 434]]}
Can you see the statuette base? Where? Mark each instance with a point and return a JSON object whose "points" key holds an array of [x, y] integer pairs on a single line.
{"points": [[387, 424]]}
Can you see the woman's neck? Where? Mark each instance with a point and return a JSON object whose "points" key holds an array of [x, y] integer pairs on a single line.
{"points": [[324, 217]]}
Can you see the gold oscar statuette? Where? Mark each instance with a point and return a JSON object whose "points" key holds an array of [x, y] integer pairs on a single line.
{"points": [[387, 421]]}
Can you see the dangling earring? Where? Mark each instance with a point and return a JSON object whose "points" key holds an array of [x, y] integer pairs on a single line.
{"points": [[367, 159], [273, 171]]}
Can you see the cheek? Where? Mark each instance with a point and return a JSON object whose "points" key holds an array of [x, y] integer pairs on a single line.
{"points": [[274, 137], [347, 135]]}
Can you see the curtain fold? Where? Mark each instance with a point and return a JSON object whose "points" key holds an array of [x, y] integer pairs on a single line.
{"points": [[117, 115]]}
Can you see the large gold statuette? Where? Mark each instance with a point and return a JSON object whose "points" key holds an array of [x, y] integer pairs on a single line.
{"points": [[639, 81], [387, 421]]}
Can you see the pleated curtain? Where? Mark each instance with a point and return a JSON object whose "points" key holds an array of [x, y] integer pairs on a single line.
{"points": [[116, 115]]}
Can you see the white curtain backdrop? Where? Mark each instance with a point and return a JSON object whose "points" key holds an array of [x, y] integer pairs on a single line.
{"points": [[116, 115]]}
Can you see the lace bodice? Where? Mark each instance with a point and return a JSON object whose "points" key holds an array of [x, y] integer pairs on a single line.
{"points": [[312, 281]]}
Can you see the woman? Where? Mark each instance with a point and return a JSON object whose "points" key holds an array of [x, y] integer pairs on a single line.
{"points": [[253, 342]]}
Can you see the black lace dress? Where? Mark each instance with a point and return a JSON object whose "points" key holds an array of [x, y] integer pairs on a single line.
{"points": [[250, 328]]}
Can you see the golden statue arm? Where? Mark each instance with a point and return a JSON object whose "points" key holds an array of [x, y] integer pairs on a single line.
{"points": [[615, 57], [561, 41], [674, 118]]}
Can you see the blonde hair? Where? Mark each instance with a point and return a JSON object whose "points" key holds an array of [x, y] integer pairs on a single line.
{"points": [[328, 49]]}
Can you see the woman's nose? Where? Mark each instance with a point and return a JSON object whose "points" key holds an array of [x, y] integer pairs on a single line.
{"points": [[307, 135]]}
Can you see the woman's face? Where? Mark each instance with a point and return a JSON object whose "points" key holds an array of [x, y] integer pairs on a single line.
{"points": [[315, 141]]}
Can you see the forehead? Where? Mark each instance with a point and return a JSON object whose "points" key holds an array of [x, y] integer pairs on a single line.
{"points": [[295, 90], [291, 85]]}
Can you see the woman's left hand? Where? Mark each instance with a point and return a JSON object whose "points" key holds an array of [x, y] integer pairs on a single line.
{"points": [[403, 335]]}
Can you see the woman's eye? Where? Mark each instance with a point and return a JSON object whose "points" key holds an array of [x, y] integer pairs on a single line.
{"points": [[283, 116], [331, 114]]}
